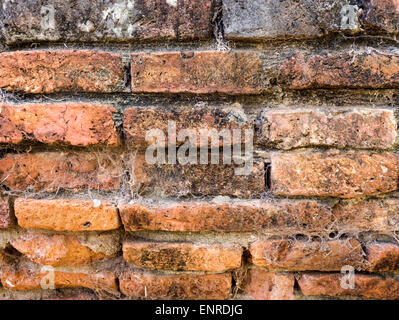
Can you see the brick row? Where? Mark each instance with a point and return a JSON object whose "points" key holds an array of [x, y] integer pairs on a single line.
{"points": [[85, 124], [199, 72], [127, 20], [277, 217]]}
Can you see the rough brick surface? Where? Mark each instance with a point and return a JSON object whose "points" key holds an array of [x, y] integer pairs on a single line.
{"points": [[293, 255], [381, 14], [276, 19], [66, 215], [4, 213], [195, 179], [352, 128], [76, 124], [199, 72], [139, 285], [56, 250], [261, 284], [366, 286], [382, 257], [24, 278], [226, 216], [358, 69], [378, 215], [104, 20], [336, 174], [182, 256], [138, 122], [51, 171], [61, 71]]}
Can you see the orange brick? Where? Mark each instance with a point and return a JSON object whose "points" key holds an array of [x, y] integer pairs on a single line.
{"points": [[24, 278], [336, 174], [4, 213], [375, 69], [56, 250], [261, 284], [365, 286], [351, 128], [182, 256], [61, 71], [51, 171], [292, 255], [382, 257], [285, 216], [66, 215], [76, 124], [198, 72], [145, 285]]}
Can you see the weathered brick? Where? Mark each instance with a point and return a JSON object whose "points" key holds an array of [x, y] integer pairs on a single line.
{"points": [[276, 19], [76, 124], [382, 257], [336, 174], [60, 294], [26, 277], [59, 250], [66, 215], [381, 14], [196, 179], [379, 215], [4, 213], [353, 128], [137, 122], [358, 69], [286, 216], [292, 255], [105, 20], [366, 286], [260, 284], [61, 71], [145, 285], [182, 256], [199, 72], [50, 171]]}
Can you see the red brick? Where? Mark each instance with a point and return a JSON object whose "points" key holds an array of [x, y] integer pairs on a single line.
{"points": [[144, 285], [366, 286], [338, 70], [66, 215], [382, 257], [264, 285], [293, 255], [382, 15], [57, 250], [138, 121], [4, 213], [195, 179], [225, 216], [61, 71], [76, 124], [198, 72], [182, 256], [336, 174], [51, 171], [354, 128]]}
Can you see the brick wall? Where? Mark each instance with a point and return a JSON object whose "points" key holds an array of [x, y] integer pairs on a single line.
{"points": [[83, 211]]}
